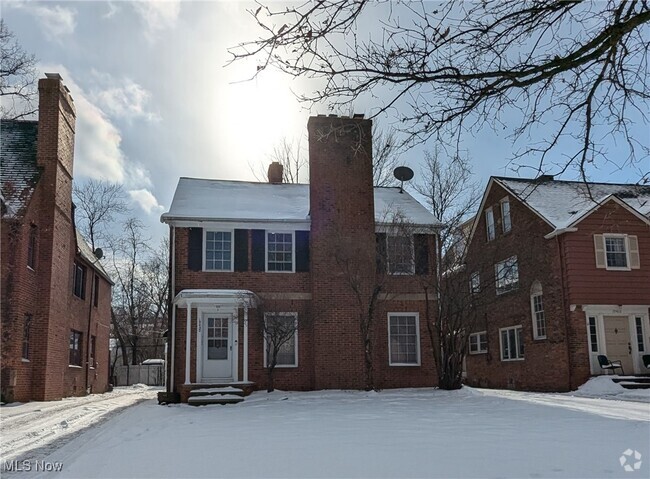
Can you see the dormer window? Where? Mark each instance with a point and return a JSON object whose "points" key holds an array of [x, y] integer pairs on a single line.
{"points": [[489, 224]]}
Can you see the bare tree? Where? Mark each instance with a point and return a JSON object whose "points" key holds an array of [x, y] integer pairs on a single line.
{"points": [[17, 78], [558, 76], [98, 202], [385, 155]]}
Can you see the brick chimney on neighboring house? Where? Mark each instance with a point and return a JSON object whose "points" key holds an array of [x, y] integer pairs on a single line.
{"points": [[342, 230], [275, 172]]}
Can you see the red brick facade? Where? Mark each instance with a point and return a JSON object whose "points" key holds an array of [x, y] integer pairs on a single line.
{"points": [[565, 267], [44, 292]]}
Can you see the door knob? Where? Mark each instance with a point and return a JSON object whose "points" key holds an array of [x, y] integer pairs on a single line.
{"points": [[629, 348]]}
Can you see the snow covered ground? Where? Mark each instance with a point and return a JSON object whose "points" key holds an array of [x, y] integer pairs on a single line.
{"points": [[393, 433], [36, 429]]}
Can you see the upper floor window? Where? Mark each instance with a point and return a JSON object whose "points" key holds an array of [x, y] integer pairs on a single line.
{"points": [[506, 223], [475, 283], [75, 348], [279, 251], [478, 343], [79, 280], [512, 343], [31, 247], [507, 275], [403, 339], [617, 251], [401, 259], [489, 224], [218, 251], [537, 309]]}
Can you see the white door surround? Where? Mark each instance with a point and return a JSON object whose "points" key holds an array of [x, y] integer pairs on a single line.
{"points": [[216, 347]]}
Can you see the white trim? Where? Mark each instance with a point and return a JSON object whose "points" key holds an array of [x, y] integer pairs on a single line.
{"points": [[218, 224], [188, 341], [232, 250], [516, 328], [266, 249], [202, 312], [626, 244], [172, 335], [478, 343], [417, 338], [245, 365], [295, 335]]}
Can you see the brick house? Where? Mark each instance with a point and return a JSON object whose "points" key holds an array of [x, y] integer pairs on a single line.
{"points": [[565, 268], [55, 294], [236, 246]]}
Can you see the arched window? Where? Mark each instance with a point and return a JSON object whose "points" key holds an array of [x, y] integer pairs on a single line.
{"points": [[537, 310]]}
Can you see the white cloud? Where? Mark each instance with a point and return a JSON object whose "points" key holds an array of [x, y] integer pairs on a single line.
{"points": [[121, 98], [112, 10], [55, 19], [146, 200], [158, 15]]}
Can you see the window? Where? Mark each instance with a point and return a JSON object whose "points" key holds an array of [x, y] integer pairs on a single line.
{"points": [[218, 251], [403, 339], [593, 335], [475, 283], [281, 335], [96, 292], [507, 275], [506, 223], [400, 254], [537, 308], [31, 248], [639, 334], [75, 348], [279, 252], [92, 352], [489, 223], [617, 252], [27, 326], [512, 344], [478, 343], [79, 288]]}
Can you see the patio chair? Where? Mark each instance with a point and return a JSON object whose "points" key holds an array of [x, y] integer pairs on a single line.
{"points": [[646, 360], [607, 364]]}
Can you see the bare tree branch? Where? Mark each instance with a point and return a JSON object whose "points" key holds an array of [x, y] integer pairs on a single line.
{"points": [[17, 78]]}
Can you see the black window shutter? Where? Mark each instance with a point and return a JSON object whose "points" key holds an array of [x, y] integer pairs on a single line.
{"points": [[241, 250], [195, 249], [421, 244], [302, 251], [381, 252], [258, 250]]}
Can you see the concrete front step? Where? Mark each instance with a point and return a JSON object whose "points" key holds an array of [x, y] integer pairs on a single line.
{"points": [[216, 391], [185, 389], [633, 382], [214, 399]]}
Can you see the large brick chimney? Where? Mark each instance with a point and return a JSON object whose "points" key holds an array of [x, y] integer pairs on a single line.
{"points": [[342, 234]]}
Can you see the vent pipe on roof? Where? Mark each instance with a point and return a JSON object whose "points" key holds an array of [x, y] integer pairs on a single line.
{"points": [[544, 178], [275, 172]]}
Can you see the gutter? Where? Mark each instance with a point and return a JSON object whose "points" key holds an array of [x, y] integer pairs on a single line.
{"points": [[559, 231]]}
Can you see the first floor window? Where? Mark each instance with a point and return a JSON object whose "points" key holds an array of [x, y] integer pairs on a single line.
{"points": [[279, 250], [639, 334], [281, 339], [478, 343], [507, 275], [27, 326], [218, 251], [79, 280], [403, 339], [537, 307], [92, 351], [75, 348], [512, 344], [593, 335], [400, 254]]}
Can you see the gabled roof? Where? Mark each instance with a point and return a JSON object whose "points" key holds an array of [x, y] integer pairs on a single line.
{"points": [[86, 252], [19, 171], [241, 201]]}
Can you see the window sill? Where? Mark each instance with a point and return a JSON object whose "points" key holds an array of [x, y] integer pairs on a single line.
{"points": [[74, 366], [285, 366], [477, 353], [509, 290], [512, 360], [24, 360], [29, 268], [619, 268], [204, 270], [408, 365], [281, 272], [540, 338]]}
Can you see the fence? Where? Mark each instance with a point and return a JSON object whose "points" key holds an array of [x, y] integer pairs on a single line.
{"points": [[149, 374]]}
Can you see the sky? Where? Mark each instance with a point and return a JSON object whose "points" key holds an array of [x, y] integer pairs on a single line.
{"points": [[156, 101]]}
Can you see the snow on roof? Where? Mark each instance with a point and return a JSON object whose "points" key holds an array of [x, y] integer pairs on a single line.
{"points": [[86, 252], [562, 203], [224, 200]]}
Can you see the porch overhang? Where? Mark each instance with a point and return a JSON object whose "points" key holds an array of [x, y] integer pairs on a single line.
{"points": [[232, 297]]}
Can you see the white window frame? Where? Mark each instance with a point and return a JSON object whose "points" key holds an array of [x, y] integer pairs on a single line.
{"points": [[295, 335], [626, 244], [232, 249], [489, 224], [417, 339], [293, 250], [475, 283], [388, 256], [504, 201], [478, 335], [534, 293], [519, 336], [500, 284]]}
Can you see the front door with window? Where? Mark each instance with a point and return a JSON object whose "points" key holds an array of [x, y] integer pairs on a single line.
{"points": [[618, 342], [216, 347]]}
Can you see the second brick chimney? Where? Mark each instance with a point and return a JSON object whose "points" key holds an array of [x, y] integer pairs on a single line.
{"points": [[275, 172]]}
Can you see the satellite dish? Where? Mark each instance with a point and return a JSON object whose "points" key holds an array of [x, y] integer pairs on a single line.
{"points": [[99, 254], [403, 173]]}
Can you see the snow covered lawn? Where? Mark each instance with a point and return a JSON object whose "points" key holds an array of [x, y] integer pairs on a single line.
{"points": [[393, 433]]}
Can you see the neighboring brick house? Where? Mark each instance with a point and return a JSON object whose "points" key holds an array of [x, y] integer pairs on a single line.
{"points": [[563, 273], [236, 245], [55, 294]]}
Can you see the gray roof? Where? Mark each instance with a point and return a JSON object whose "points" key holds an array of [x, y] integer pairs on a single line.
{"points": [[19, 172], [242, 201], [86, 252]]}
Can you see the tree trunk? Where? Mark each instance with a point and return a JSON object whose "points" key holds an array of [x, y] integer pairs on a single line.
{"points": [[270, 388]]}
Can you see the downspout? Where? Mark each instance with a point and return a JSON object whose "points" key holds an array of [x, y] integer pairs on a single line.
{"points": [[90, 317], [172, 336], [565, 311]]}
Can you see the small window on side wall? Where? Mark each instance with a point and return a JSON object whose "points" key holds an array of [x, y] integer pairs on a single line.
{"points": [[489, 224], [512, 343], [537, 310], [478, 343], [79, 281], [75, 348], [506, 222], [403, 339]]}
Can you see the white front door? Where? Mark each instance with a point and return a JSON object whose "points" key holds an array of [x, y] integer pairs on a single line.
{"points": [[216, 347], [618, 342]]}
